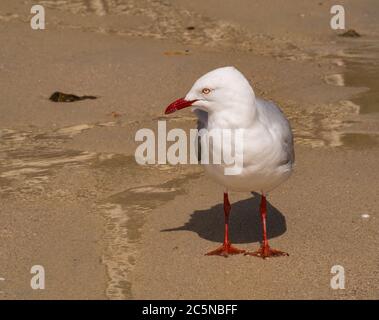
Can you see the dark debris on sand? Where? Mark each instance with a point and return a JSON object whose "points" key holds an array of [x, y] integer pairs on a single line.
{"points": [[66, 97]]}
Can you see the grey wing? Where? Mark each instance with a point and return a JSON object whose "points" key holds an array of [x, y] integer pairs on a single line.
{"points": [[269, 112]]}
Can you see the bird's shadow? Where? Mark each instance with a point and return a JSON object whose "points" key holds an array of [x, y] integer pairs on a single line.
{"points": [[245, 222]]}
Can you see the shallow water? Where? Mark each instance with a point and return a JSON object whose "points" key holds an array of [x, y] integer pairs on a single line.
{"points": [[362, 70], [352, 123]]}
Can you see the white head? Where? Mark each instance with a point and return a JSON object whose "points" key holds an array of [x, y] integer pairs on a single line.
{"points": [[221, 89]]}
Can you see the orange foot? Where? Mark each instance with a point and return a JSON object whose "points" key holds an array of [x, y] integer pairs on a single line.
{"points": [[225, 250], [267, 252]]}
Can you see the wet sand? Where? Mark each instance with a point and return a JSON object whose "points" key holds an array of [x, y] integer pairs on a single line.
{"points": [[74, 200]]}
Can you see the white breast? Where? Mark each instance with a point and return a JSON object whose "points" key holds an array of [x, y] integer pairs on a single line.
{"points": [[267, 152]]}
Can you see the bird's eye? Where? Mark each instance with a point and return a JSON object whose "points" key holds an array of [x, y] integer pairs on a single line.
{"points": [[206, 90]]}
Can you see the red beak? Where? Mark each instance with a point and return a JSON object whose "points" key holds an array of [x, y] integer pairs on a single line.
{"points": [[179, 104]]}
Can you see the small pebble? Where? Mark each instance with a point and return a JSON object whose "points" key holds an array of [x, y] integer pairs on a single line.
{"points": [[365, 216]]}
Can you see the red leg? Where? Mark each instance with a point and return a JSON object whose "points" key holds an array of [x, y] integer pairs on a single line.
{"points": [[265, 251], [226, 248]]}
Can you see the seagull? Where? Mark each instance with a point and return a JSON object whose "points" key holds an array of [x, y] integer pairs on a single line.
{"points": [[224, 99]]}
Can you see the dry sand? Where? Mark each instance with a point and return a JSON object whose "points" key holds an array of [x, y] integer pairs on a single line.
{"points": [[73, 199]]}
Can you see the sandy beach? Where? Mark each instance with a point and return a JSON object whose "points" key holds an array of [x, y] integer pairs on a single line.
{"points": [[74, 200]]}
